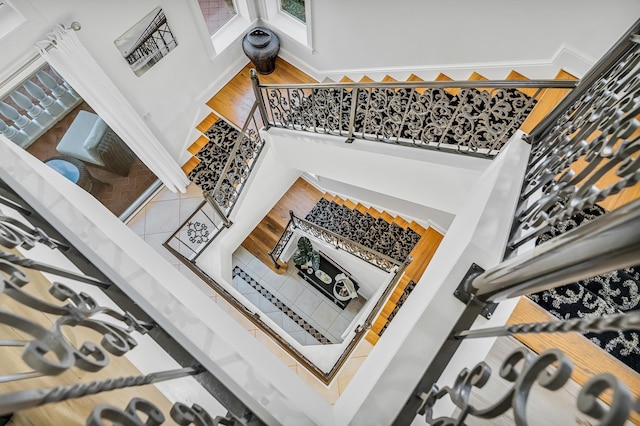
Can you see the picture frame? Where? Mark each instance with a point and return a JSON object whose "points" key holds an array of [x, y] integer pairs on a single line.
{"points": [[147, 42]]}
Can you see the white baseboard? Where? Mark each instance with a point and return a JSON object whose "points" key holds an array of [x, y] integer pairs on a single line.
{"points": [[565, 57]]}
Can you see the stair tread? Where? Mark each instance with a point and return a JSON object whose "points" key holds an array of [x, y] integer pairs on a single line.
{"points": [[475, 76], [198, 144], [400, 221], [529, 91], [444, 77], [386, 216], [189, 165], [588, 359], [388, 79], [546, 103], [361, 208], [346, 79], [366, 79], [415, 78], [205, 124], [422, 253], [372, 337]]}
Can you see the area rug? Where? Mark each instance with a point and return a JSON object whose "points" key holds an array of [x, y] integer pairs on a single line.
{"points": [[387, 238], [607, 294]]}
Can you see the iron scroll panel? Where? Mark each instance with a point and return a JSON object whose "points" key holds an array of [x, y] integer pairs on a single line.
{"points": [[452, 116], [46, 349], [589, 154], [523, 370]]}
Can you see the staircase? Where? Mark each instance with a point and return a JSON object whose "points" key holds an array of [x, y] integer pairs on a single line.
{"points": [[603, 295], [389, 235], [222, 160], [468, 119]]}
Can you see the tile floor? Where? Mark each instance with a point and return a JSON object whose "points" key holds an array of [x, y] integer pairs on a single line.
{"points": [[297, 296], [162, 216], [216, 13]]}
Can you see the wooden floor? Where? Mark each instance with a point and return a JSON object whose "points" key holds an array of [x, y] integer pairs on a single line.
{"points": [[300, 198], [73, 411]]}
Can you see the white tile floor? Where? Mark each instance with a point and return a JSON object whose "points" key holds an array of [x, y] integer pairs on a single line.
{"points": [[298, 295]]}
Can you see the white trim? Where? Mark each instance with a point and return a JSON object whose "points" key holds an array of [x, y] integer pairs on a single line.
{"points": [[295, 31], [566, 57]]}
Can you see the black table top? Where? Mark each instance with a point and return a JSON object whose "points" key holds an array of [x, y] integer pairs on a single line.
{"points": [[332, 269]]}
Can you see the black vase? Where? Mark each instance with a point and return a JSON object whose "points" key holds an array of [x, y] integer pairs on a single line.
{"points": [[262, 45]]}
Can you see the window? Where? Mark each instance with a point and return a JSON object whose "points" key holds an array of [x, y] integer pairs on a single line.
{"points": [[292, 18], [217, 13], [294, 8]]}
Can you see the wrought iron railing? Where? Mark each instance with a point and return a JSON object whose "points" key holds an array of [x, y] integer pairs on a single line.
{"points": [[469, 117], [211, 217], [369, 255], [586, 151], [49, 321]]}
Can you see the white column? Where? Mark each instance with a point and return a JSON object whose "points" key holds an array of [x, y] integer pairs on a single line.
{"points": [[31, 128], [67, 85], [66, 99], [46, 102], [38, 115], [14, 135]]}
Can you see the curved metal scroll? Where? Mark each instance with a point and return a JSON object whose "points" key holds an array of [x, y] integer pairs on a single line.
{"points": [[524, 370], [182, 414]]}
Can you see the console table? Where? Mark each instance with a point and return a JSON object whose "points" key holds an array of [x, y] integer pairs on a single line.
{"points": [[331, 269]]}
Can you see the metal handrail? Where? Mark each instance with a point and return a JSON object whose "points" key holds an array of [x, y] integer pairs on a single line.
{"points": [[607, 243], [454, 84], [608, 59], [358, 110], [232, 156]]}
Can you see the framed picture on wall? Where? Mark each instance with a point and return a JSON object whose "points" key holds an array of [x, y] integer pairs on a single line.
{"points": [[147, 42]]}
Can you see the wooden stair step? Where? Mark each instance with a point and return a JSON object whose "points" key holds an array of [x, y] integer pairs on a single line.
{"points": [[366, 79], [198, 145], [478, 77], [338, 200], [190, 165], [415, 226], [378, 325], [372, 337], [401, 222], [388, 79], [546, 103], [328, 197], [422, 253], [386, 216], [346, 79], [415, 78], [207, 122], [373, 212], [444, 77], [350, 204], [361, 208], [529, 91], [587, 357]]}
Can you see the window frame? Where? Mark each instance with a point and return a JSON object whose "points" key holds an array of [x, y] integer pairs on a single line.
{"points": [[298, 31]]}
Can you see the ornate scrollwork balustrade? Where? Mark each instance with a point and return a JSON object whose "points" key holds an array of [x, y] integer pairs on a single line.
{"points": [[238, 167], [59, 327], [588, 154], [452, 116], [369, 255], [525, 372]]}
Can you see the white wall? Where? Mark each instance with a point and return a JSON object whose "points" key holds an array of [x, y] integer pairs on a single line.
{"points": [[172, 94], [372, 36]]}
